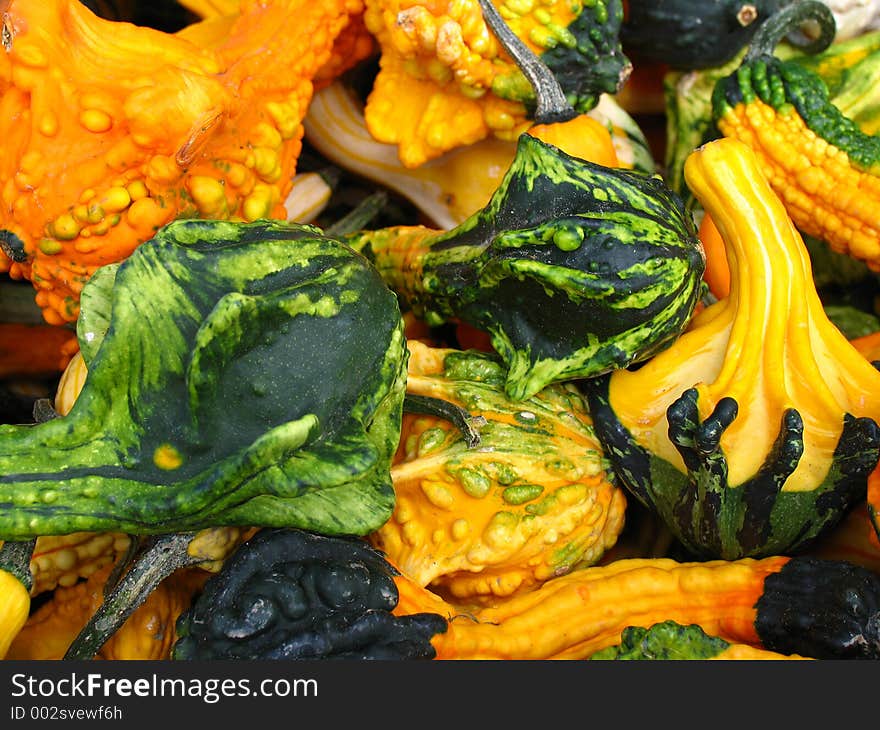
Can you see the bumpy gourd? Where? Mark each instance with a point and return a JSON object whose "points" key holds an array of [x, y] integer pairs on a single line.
{"points": [[573, 269], [295, 595], [453, 186], [822, 609], [112, 130], [817, 159], [533, 500], [209, 319], [756, 430], [440, 62]]}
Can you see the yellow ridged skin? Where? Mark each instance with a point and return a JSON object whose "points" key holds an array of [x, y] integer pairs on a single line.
{"points": [[453, 186], [62, 560], [824, 193], [15, 603], [768, 344]]}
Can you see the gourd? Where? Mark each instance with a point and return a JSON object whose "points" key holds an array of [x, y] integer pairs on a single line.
{"points": [[289, 594], [818, 161], [669, 640], [572, 269], [147, 634], [848, 68], [688, 35], [62, 560], [206, 319], [16, 582], [755, 431], [441, 62], [451, 187], [532, 501], [813, 608], [156, 126]]}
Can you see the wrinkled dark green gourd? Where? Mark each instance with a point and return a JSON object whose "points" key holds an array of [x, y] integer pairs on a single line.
{"points": [[827, 609], [290, 594], [239, 373]]}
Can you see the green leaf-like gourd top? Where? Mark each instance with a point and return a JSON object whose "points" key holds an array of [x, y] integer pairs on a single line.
{"points": [[574, 269], [586, 56], [248, 374]]}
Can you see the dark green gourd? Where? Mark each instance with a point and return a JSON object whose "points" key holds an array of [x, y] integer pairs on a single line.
{"points": [[690, 35], [290, 594], [249, 374], [572, 268]]}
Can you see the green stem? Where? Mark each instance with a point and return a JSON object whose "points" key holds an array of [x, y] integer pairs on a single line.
{"points": [[161, 556], [358, 218], [464, 421], [15, 558], [787, 23], [552, 105]]}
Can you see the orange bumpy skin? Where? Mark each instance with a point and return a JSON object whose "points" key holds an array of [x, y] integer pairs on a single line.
{"points": [[155, 126], [439, 60]]}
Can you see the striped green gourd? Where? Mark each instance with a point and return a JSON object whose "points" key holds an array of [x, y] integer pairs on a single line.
{"points": [[572, 268], [239, 374]]}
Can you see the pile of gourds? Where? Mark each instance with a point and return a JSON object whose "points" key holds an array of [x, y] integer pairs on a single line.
{"points": [[382, 330]]}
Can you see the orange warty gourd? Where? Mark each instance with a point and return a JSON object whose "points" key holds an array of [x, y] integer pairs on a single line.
{"points": [[112, 130], [532, 501]]}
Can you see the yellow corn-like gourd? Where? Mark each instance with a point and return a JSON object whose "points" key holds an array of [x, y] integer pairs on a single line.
{"points": [[824, 193]]}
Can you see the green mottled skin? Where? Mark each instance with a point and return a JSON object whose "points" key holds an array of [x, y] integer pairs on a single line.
{"points": [[586, 57], [716, 520], [664, 641], [573, 269], [270, 358], [789, 87]]}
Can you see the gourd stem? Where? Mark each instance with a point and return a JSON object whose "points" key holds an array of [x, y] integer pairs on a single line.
{"points": [[552, 106], [786, 23], [360, 216], [44, 410], [15, 558], [464, 421], [160, 557]]}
